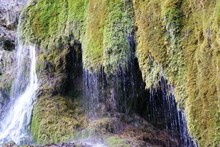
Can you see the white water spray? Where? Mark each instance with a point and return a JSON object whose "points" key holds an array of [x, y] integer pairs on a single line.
{"points": [[16, 123]]}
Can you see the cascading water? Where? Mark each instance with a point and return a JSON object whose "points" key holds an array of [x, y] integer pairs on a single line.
{"points": [[15, 123], [125, 92], [163, 113]]}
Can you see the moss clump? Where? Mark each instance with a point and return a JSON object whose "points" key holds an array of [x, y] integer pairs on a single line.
{"points": [[150, 36], [108, 27], [48, 23], [115, 141], [99, 128], [159, 48], [93, 41], [175, 64], [56, 119], [118, 35]]}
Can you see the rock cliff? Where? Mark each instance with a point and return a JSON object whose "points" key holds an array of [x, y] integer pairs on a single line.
{"points": [[9, 14], [103, 63]]}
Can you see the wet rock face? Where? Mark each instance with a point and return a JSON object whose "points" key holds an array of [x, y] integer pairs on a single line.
{"points": [[59, 71], [106, 94], [60, 78], [9, 15], [123, 91], [3, 99], [7, 41], [161, 110]]}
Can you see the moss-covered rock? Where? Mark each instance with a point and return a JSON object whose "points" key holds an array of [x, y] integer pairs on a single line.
{"points": [[122, 131], [48, 23], [106, 42], [176, 39], [181, 40], [117, 141], [93, 23], [57, 119]]}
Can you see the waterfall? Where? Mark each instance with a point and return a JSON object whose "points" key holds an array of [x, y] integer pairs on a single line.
{"points": [[163, 112], [15, 124]]}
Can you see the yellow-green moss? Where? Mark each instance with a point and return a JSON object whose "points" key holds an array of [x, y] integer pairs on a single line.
{"points": [[151, 50], [180, 41], [176, 39], [116, 141], [48, 23], [103, 28], [118, 31], [108, 26], [93, 41], [56, 119]]}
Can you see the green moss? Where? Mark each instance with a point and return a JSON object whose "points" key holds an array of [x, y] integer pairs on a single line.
{"points": [[115, 141], [185, 52], [202, 103], [218, 11], [150, 54], [103, 27], [108, 26], [49, 22], [176, 70], [56, 119], [98, 128], [162, 22], [93, 41], [118, 30]]}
